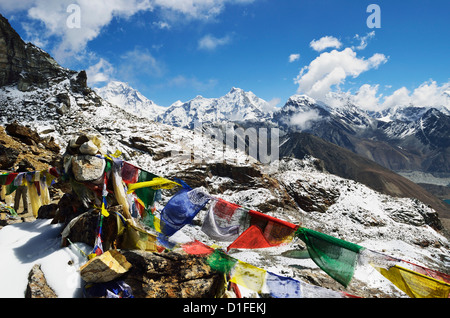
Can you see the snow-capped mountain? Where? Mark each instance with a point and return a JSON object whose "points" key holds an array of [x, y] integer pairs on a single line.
{"points": [[237, 105], [129, 99]]}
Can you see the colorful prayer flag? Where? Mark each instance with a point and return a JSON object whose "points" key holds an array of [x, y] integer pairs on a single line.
{"points": [[248, 276], [282, 287], [414, 284], [181, 209], [334, 256], [264, 231], [217, 222]]}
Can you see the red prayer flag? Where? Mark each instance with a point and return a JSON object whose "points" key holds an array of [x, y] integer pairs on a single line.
{"points": [[252, 237], [197, 248], [264, 231]]}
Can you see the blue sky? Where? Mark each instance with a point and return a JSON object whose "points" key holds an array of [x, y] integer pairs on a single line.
{"points": [[177, 49]]}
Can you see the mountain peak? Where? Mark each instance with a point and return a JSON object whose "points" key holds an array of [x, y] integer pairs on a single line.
{"points": [[300, 98], [129, 99]]}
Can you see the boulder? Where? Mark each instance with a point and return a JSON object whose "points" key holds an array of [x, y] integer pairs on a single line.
{"points": [[24, 134], [83, 228], [171, 275], [105, 267], [68, 207], [88, 148], [47, 211], [87, 168], [8, 157], [37, 286]]}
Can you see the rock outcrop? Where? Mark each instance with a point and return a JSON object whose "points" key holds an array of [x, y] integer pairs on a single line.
{"points": [[37, 286], [171, 275], [24, 63]]}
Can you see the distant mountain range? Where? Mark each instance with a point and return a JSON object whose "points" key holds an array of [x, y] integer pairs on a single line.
{"points": [[412, 141]]}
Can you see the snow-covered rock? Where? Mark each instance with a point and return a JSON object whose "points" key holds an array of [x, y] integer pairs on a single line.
{"points": [[236, 105], [129, 99]]}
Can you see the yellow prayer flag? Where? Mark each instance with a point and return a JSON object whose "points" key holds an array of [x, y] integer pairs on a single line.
{"points": [[155, 183], [34, 199], [248, 276], [157, 224], [414, 284], [104, 211]]}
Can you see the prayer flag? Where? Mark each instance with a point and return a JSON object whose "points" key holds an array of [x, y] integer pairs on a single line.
{"points": [[283, 287], [334, 256], [264, 231], [181, 209], [221, 262], [248, 276], [197, 248], [414, 284], [217, 223]]}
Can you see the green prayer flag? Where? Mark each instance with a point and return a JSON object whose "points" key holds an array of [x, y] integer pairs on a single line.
{"points": [[221, 262], [146, 195], [334, 256]]}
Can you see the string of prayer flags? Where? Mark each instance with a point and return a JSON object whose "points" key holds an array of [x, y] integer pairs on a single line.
{"points": [[414, 284], [181, 209], [264, 231], [98, 245], [336, 257], [257, 279]]}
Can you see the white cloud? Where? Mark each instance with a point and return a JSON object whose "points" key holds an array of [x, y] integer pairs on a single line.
{"points": [[294, 57], [49, 18], [330, 70], [162, 25], [428, 94], [399, 98], [194, 9], [366, 97], [304, 120], [8, 6], [100, 72], [139, 61], [209, 42], [325, 43], [363, 40], [93, 16]]}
